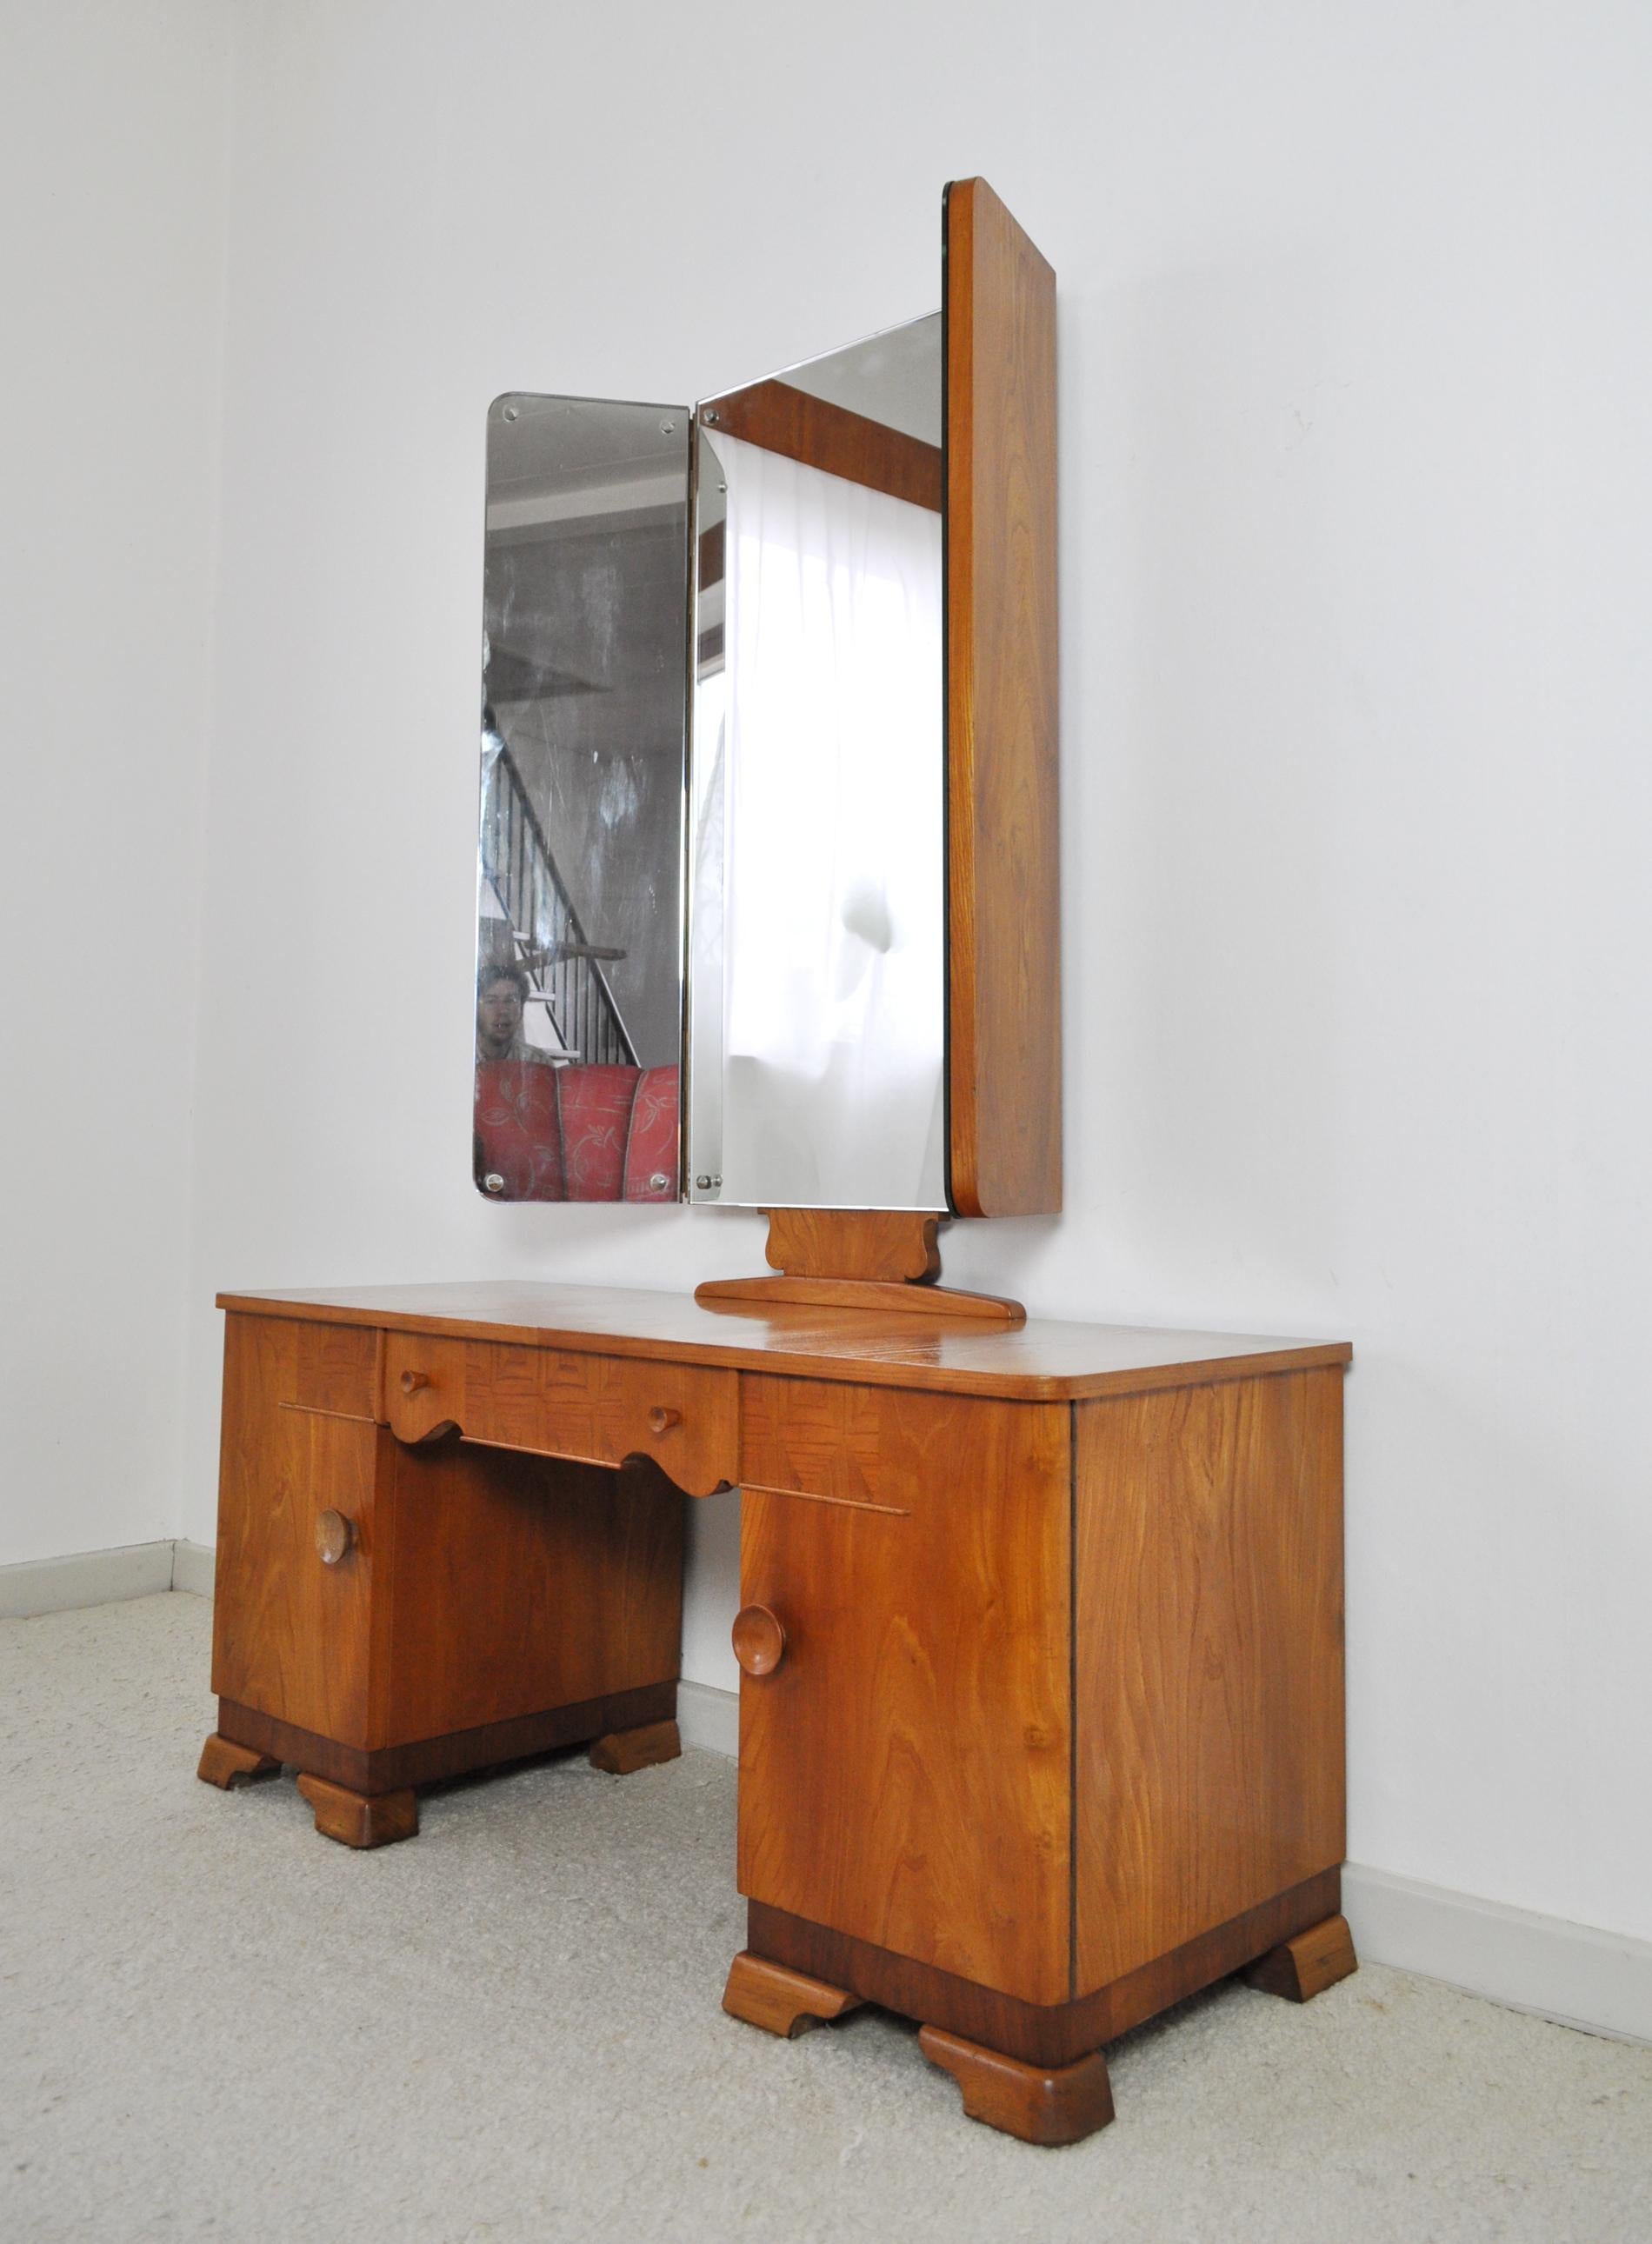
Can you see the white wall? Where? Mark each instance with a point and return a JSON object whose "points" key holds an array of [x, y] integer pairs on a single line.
{"points": [[1355, 568], [113, 124]]}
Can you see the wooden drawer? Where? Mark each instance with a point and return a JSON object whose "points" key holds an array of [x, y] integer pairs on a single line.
{"points": [[885, 1447], [598, 1409]]}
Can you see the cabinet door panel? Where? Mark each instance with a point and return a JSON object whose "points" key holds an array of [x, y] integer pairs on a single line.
{"points": [[904, 1769]]}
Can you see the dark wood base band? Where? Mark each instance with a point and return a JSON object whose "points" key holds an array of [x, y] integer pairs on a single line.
{"points": [[1052, 2035], [428, 1760]]}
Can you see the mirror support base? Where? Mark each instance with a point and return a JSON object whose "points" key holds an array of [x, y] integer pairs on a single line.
{"points": [[859, 1259]]}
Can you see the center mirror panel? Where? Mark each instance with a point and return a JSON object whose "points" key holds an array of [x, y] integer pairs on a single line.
{"points": [[579, 910], [817, 958]]}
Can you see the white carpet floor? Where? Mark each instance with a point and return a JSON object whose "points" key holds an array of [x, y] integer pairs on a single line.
{"points": [[216, 2025]]}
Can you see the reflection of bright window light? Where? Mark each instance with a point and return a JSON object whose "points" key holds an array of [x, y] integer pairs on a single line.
{"points": [[834, 965]]}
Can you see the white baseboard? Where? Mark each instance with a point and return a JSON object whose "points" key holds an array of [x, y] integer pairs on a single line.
{"points": [[709, 1718], [1601, 1982], [86, 1578], [105, 1577], [195, 1567]]}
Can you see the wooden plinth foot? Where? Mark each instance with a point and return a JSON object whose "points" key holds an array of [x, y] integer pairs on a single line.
{"points": [[781, 2002], [224, 1763], [358, 1819], [1041, 2103], [623, 1750], [1304, 1967]]}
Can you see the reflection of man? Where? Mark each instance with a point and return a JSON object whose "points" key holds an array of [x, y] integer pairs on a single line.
{"points": [[501, 993]]}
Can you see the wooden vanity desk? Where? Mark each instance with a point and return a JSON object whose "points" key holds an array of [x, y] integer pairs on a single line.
{"points": [[1042, 1715]]}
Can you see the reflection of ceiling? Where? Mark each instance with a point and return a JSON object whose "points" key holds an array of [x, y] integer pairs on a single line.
{"points": [[567, 458], [894, 377]]}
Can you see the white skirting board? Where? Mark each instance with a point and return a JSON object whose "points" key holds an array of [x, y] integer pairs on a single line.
{"points": [[87, 1578], [195, 1567], [1601, 1982], [710, 1718]]}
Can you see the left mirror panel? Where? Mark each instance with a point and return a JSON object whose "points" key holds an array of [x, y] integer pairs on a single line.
{"points": [[578, 1017]]}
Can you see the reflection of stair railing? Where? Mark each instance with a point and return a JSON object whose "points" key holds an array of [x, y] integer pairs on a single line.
{"points": [[564, 967]]}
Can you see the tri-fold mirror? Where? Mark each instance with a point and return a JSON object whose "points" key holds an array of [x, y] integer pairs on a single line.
{"points": [[767, 897]]}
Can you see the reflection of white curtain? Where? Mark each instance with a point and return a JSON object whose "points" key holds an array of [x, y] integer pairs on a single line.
{"points": [[834, 905]]}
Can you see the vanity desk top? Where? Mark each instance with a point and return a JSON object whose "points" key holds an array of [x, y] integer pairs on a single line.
{"points": [[1043, 1361]]}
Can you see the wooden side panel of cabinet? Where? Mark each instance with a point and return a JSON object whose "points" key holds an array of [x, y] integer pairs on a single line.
{"points": [[1209, 1704], [904, 1769], [290, 1636], [1004, 999]]}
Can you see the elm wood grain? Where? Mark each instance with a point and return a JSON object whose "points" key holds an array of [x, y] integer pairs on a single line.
{"points": [[820, 1242], [337, 1372], [1035, 2103], [859, 1259], [1003, 926], [1304, 1967], [1041, 2034], [224, 1764], [551, 1402], [1043, 1361], [288, 1632], [905, 1770], [620, 1752], [522, 1585], [778, 418], [781, 2002], [1209, 1723], [904, 1299], [462, 1752], [481, 1587], [859, 1446], [356, 1821]]}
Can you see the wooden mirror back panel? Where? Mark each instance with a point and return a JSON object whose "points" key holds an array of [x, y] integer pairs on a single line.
{"points": [[1003, 934]]}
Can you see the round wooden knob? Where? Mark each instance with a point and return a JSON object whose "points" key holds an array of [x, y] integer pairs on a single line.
{"points": [[412, 1381], [760, 1641], [335, 1536], [662, 1419]]}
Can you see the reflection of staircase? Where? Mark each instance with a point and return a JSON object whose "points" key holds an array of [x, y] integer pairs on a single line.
{"points": [[539, 928]]}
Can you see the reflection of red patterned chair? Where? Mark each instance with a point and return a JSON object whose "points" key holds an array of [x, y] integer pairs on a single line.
{"points": [[577, 1133]]}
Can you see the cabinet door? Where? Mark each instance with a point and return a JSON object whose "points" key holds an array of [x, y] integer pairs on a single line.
{"points": [[905, 1768]]}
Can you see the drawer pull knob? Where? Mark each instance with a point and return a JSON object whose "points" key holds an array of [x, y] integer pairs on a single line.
{"points": [[759, 1640], [412, 1381], [663, 1420], [334, 1536]]}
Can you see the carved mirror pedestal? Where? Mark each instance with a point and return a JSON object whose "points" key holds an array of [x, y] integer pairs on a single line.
{"points": [[859, 1259]]}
